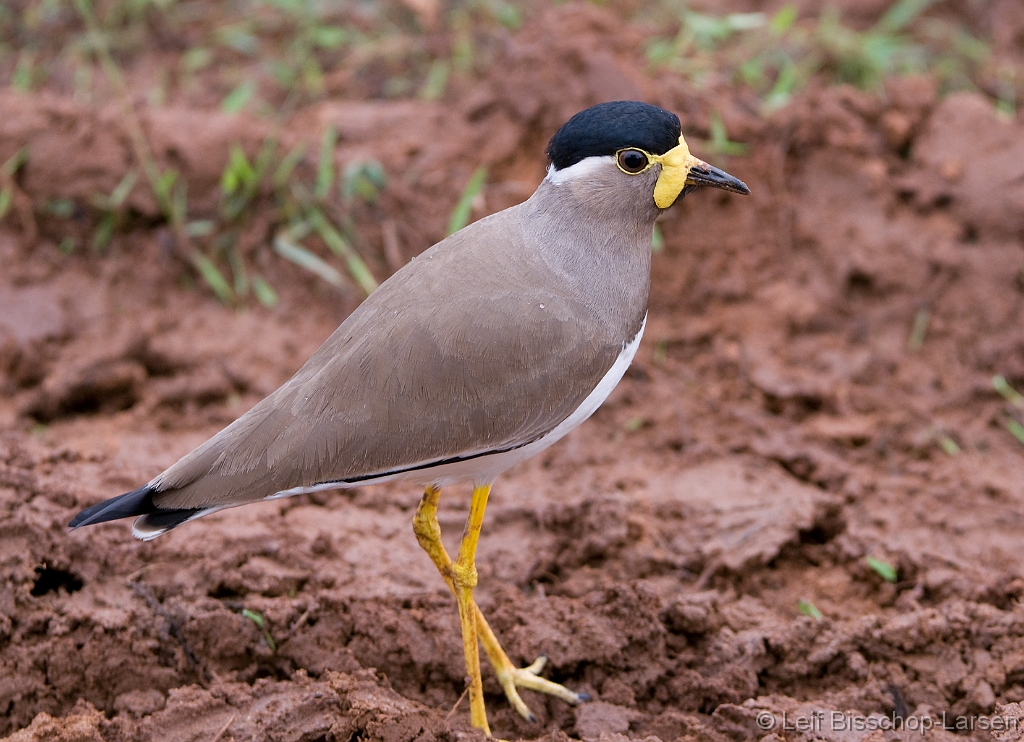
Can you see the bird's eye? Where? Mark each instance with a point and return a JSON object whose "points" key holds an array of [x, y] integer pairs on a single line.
{"points": [[632, 161]]}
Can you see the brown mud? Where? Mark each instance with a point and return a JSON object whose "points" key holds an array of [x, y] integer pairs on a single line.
{"points": [[777, 428]]}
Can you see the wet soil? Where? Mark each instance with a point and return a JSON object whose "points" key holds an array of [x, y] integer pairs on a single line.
{"points": [[783, 421]]}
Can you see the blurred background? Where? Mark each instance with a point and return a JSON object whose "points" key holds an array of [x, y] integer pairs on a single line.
{"points": [[231, 126], [804, 497]]}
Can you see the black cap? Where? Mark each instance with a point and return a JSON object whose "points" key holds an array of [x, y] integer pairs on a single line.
{"points": [[608, 127]]}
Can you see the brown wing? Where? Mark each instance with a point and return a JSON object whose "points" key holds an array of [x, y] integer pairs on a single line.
{"points": [[444, 359]]}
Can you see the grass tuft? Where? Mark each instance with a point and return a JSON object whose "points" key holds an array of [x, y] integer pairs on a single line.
{"points": [[778, 56], [340, 247], [268, 57]]}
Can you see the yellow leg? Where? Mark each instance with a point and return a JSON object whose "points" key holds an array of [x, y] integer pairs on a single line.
{"points": [[464, 577], [428, 533]]}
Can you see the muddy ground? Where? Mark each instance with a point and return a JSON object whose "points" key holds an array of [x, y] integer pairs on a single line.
{"points": [[782, 423]]}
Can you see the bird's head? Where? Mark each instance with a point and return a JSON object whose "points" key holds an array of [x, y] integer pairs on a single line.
{"points": [[628, 144]]}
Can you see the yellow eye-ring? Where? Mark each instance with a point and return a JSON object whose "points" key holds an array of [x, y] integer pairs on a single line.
{"points": [[632, 161]]}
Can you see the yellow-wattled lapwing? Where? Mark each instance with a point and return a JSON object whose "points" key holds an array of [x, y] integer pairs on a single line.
{"points": [[484, 350]]}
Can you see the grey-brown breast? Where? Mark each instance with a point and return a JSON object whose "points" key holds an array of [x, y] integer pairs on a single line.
{"points": [[486, 341]]}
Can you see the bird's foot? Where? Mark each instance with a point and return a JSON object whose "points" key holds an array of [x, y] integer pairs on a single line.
{"points": [[512, 677]]}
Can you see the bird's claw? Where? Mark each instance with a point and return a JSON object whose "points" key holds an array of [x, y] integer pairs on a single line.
{"points": [[529, 677]]}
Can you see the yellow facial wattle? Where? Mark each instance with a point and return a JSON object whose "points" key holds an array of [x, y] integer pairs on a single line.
{"points": [[675, 167]]}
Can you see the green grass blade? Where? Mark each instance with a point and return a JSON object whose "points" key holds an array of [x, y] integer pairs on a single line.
{"points": [[884, 570], [241, 179], [1016, 429], [264, 292], [253, 616], [179, 204], [9, 169], [901, 14], [325, 163], [657, 240], [14, 162], [363, 179], [312, 76], [213, 277], [238, 38], [288, 164], [340, 247], [919, 331], [24, 72], [257, 618], [330, 37], [436, 82], [239, 273], [950, 446], [720, 142], [507, 14], [463, 209], [303, 258], [784, 19], [200, 228], [196, 59], [239, 98], [122, 190], [237, 171], [1011, 395], [785, 84], [808, 608], [262, 161], [104, 231], [162, 187], [62, 208]]}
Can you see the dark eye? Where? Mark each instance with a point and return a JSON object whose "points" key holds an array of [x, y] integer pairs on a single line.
{"points": [[632, 160]]}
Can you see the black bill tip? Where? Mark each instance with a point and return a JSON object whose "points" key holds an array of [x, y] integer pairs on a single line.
{"points": [[707, 175]]}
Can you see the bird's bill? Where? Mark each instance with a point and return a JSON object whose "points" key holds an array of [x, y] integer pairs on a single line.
{"points": [[680, 169], [703, 174]]}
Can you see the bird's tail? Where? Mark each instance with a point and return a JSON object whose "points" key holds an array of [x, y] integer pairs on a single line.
{"points": [[151, 521]]}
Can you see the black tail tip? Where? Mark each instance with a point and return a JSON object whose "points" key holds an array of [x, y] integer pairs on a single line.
{"points": [[137, 502]]}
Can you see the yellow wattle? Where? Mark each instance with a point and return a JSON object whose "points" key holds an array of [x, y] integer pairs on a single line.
{"points": [[675, 166]]}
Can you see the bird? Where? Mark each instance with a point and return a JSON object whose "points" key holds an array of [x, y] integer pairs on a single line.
{"points": [[482, 351]]}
